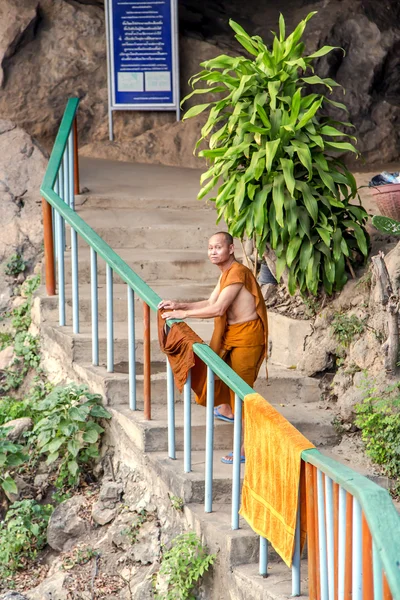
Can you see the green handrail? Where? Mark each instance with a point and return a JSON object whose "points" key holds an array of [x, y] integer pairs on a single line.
{"points": [[381, 516]]}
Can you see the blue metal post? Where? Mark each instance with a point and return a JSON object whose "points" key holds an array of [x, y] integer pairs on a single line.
{"points": [[341, 558], [357, 551], [322, 538], [71, 169], [171, 412], [95, 307], [330, 543], [296, 563], [61, 275], [263, 567], [131, 348], [187, 424], [208, 496], [378, 576], [110, 319], [75, 281], [65, 162], [61, 193], [237, 443]]}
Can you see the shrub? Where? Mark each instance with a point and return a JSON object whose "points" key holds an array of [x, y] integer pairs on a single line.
{"points": [[378, 417], [22, 534], [68, 430], [183, 566], [15, 265], [346, 327], [11, 455], [274, 160]]}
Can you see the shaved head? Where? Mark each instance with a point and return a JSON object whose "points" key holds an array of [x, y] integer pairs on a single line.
{"points": [[228, 239]]}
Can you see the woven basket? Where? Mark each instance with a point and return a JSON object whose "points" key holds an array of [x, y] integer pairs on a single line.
{"points": [[388, 199]]}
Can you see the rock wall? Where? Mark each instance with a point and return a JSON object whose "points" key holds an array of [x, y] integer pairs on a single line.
{"points": [[22, 166], [53, 49]]}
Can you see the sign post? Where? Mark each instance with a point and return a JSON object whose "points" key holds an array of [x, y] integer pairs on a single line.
{"points": [[142, 56]]}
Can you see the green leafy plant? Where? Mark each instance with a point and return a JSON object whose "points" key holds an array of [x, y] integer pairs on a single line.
{"points": [[386, 224], [78, 556], [11, 455], [133, 530], [15, 265], [274, 159], [21, 315], [6, 339], [68, 430], [378, 417], [176, 502], [183, 566], [27, 356], [22, 534], [346, 327]]}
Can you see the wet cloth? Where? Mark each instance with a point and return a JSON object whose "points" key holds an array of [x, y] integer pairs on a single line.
{"points": [[273, 474]]}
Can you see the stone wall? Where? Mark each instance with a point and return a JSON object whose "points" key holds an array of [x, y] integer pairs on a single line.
{"points": [[53, 49]]}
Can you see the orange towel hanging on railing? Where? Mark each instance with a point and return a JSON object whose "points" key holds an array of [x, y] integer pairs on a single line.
{"points": [[272, 476]]}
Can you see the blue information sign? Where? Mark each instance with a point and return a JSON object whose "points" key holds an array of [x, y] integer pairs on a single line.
{"points": [[142, 55]]}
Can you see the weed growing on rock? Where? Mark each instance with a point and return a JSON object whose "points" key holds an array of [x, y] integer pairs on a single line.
{"points": [[22, 534], [11, 455], [15, 265], [133, 531], [378, 417], [78, 556], [183, 566], [176, 503], [68, 431], [345, 328], [6, 340]]}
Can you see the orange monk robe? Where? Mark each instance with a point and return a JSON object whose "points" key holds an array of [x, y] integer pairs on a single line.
{"points": [[242, 346]]}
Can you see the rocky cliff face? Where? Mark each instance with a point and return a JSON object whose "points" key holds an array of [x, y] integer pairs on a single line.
{"points": [[52, 49]]}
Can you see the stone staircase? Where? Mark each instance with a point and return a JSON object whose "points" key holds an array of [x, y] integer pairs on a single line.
{"points": [[149, 215]]}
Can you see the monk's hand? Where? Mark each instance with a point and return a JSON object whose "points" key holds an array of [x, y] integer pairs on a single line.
{"points": [[168, 305], [174, 314]]}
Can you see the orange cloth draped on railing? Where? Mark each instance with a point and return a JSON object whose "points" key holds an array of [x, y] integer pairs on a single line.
{"points": [[177, 344], [273, 476]]}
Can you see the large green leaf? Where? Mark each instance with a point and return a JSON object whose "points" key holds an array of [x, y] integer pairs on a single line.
{"points": [[278, 198], [239, 195], [360, 236], [8, 484], [309, 200], [309, 114], [195, 110], [259, 208], [293, 248], [271, 150], [323, 51]]}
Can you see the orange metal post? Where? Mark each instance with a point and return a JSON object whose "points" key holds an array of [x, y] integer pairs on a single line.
{"points": [[312, 550], [146, 362], [368, 577], [76, 158], [48, 248], [317, 564], [348, 576], [336, 533], [386, 590]]}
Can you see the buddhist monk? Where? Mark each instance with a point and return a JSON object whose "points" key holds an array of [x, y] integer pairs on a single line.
{"points": [[240, 323]]}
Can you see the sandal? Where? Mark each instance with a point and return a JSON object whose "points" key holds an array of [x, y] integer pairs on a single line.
{"points": [[228, 459], [219, 415]]}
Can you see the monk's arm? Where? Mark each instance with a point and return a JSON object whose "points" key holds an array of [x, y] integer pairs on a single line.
{"points": [[215, 309], [175, 305]]}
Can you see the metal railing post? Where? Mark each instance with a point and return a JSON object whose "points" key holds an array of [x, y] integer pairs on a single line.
{"points": [[330, 544], [110, 319], [296, 563], [171, 412], [237, 443], [357, 551], [95, 307], [61, 270], [76, 157], [131, 348], [342, 543], [187, 424], [75, 281], [208, 495], [70, 149], [263, 565], [48, 248], [146, 362], [322, 537]]}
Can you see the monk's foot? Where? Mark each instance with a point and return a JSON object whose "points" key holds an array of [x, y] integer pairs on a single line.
{"points": [[224, 412], [228, 459]]}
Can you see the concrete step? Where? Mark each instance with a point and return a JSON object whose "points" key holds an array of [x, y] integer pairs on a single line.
{"points": [[184, 290], [78, 347], [152, 436], [151, 265], [117, 184], [282, 387], [277, 586], [162, 229]]}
